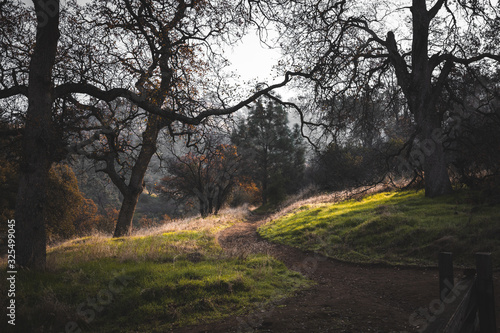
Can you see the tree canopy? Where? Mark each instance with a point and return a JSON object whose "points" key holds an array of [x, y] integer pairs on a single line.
{"points": [[208, 176], [353, 48], [69, 58]]}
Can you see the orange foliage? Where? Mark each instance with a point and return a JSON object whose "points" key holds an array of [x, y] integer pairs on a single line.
{"points": [[146, 222], [87, 218], [246, 191], [107, 222]]}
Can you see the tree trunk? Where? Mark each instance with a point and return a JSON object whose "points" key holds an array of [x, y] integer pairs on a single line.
{"points": [[36, 159], [423, 106], [220, 198], [210, 205], [135, 185], [422, 95], [204, 206], [203, 209], [133, 190], [437, 180], [431, 151], [265, 179], [126, 215]]}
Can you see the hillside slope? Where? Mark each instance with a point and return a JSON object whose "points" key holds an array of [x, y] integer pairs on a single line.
{"points": [[394, 227]]}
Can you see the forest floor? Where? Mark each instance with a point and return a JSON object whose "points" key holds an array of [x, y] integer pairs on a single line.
{"points": [[345, 298]]}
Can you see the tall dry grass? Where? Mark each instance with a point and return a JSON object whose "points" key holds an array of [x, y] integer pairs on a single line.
{"points": [[212, 224]]}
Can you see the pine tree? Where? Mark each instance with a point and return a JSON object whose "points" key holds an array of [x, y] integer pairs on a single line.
{"points": [[273, 153]]}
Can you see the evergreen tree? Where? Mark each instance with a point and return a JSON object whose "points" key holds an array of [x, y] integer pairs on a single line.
{"points": [[273, 154]]}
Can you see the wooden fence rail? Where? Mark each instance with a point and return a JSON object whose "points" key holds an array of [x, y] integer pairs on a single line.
{"points": [[468, 306]]}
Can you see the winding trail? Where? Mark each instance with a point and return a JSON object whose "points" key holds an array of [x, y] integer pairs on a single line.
{"points": [[346, 297]]}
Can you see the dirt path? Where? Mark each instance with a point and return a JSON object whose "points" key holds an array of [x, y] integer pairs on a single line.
{"points": [[346, 298]]}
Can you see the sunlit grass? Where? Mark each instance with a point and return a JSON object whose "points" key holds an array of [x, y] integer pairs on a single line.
{"points": [[393, 227], [151, 282]]}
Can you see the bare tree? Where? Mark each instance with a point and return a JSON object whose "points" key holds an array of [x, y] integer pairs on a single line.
{"points": [[208, 176], [130, 49], [353, 47], [168, 61], [38, 135]]}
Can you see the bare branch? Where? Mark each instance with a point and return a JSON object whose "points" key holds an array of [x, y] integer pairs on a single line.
{"points": [[112, 94], [13, 91], [468, 61], [397, 61], [435, 9]]}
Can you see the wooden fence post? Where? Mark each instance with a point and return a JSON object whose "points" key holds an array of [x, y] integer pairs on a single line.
{"points": [[446, 282], [485, 295]]}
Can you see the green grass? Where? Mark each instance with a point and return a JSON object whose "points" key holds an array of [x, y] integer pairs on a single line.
{"points": [[145, 284], [395, 228]]}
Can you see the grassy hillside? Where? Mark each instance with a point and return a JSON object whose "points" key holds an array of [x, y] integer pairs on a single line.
{"points": [[156, 280], [394, 227]]}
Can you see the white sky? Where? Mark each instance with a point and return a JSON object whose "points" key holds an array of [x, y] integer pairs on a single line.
{"points": [[254, 61]]}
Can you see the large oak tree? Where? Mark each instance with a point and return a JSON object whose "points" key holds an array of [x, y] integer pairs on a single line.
{"points": [[139, 41], [354, 47]]}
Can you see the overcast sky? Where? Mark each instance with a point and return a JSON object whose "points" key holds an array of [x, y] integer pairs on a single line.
{"points": [[254, 61]]}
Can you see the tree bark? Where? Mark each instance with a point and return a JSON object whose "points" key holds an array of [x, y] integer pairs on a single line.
{"points": [[210, 205], [422, 96], [202, 200], [422, 102], [435, 167], [126, 215], [36, 159], [437, 180], [135, 186]]}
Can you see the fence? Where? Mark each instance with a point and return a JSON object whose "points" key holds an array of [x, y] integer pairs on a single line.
{"points": [[468, 306]]}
